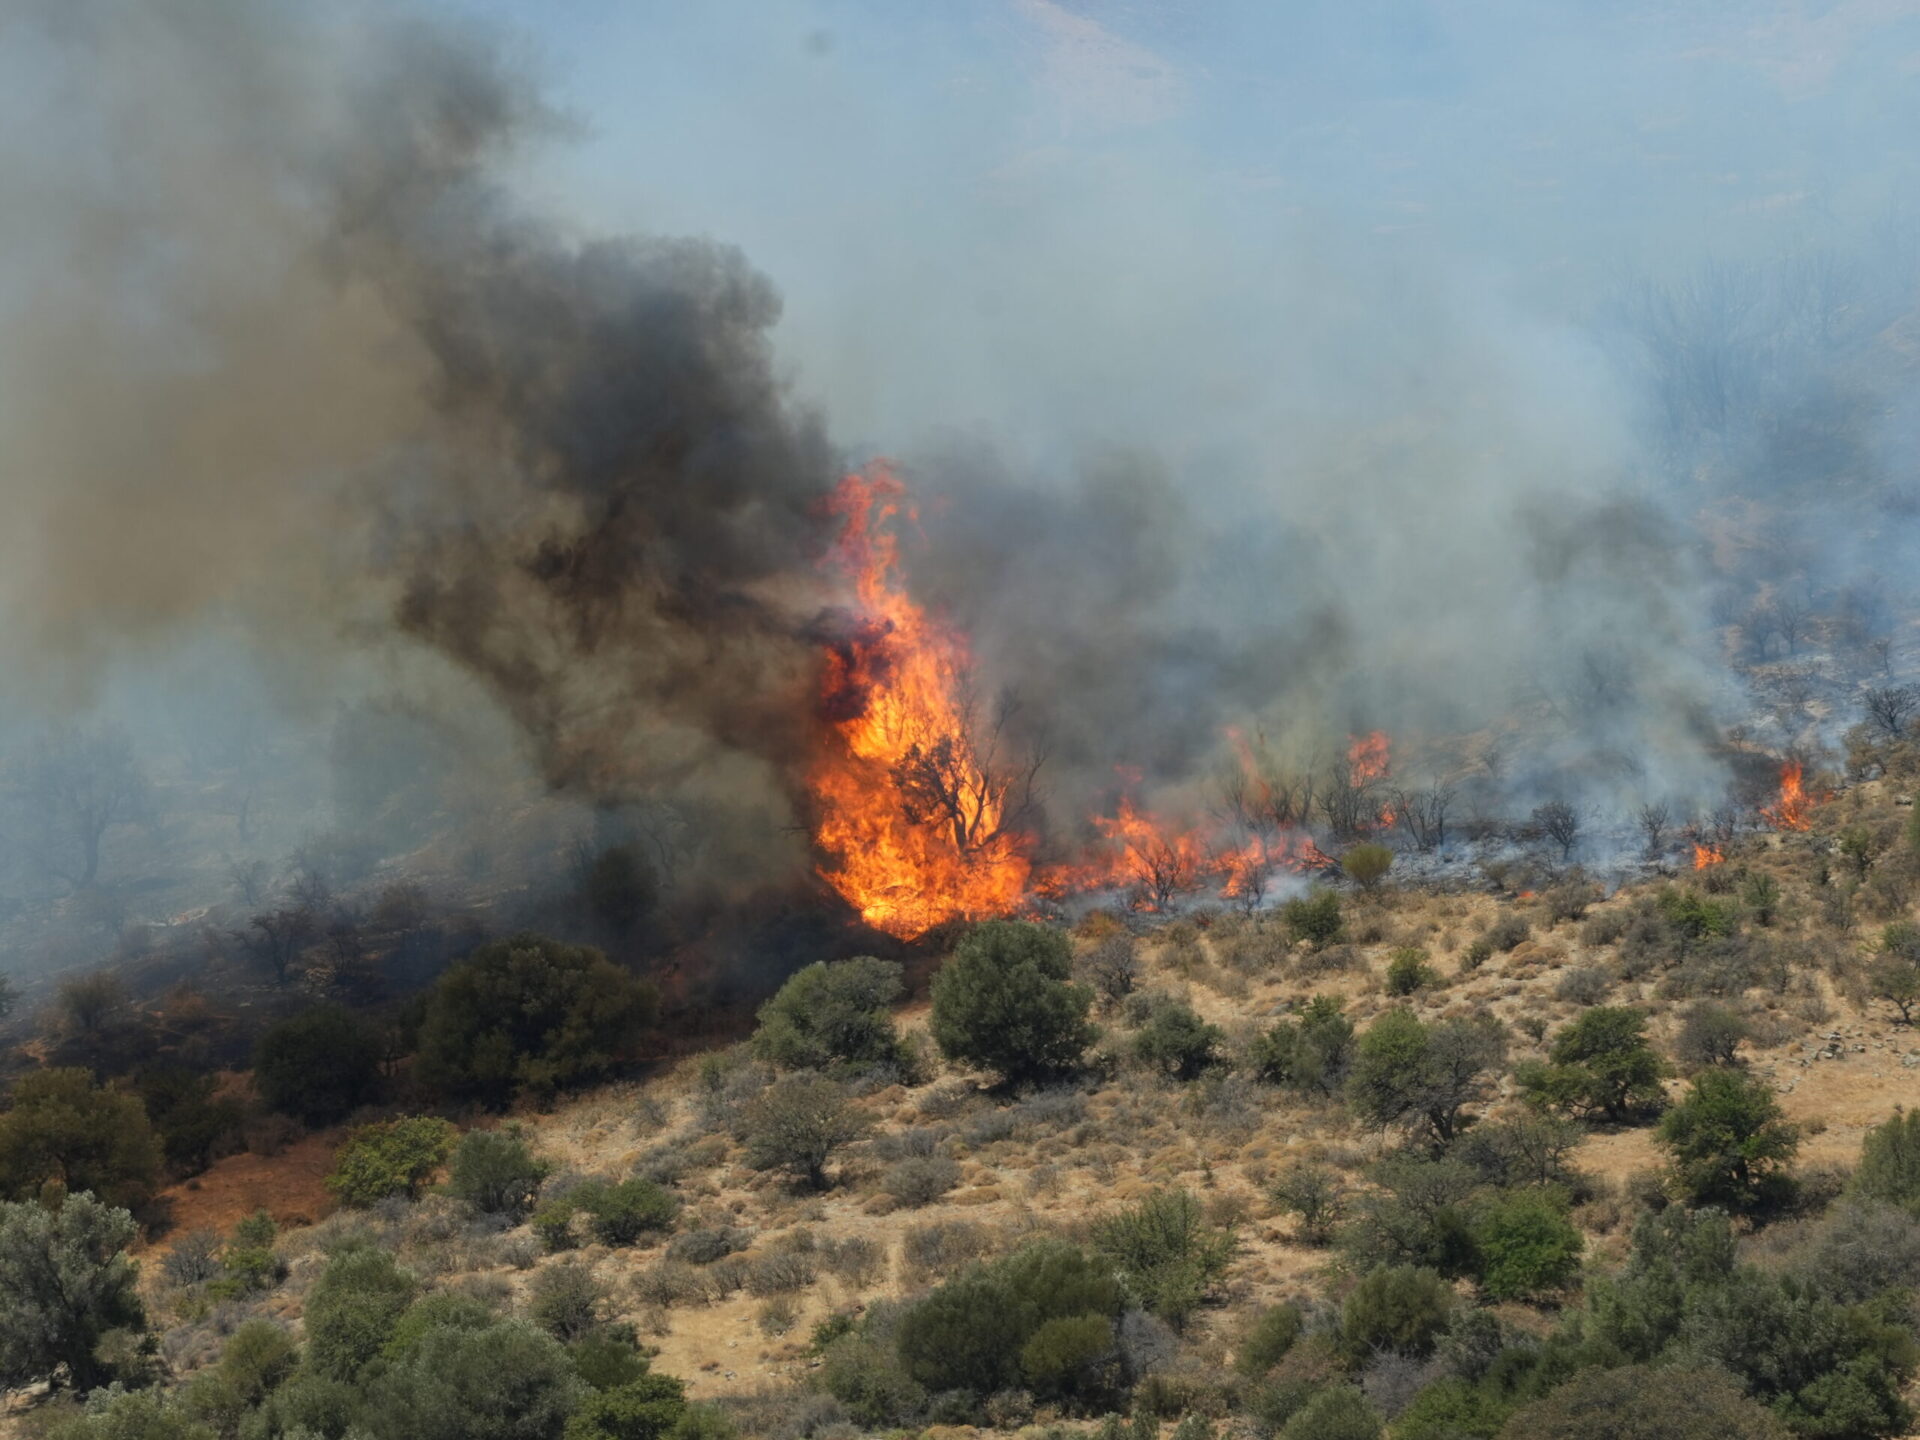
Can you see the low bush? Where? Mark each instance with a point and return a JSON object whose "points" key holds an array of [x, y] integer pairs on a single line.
{"points": [[920, 1180], [495, 1173], [394, 1157]]}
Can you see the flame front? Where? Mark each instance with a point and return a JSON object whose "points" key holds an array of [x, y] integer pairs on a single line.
{"points": [[914, 824], [1369, 757], [1705, 855], [1791, 811]]}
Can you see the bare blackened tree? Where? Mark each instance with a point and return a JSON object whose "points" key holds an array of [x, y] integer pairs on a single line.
{"points": [[74, 789], [1423, 814], [1560, 823], [1162, 869], [276, 938], [1347, 802], [1891, 708], [1654, 819], [1792, 615]]}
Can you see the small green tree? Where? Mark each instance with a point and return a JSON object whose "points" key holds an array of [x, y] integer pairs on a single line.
{"points": [[113, 1413], [649, 1408], [620, 1214], [66, 1131], [1711, 1034], [1166, 1252], [1890, 1162], [505, 1381], [567, 1300], [1409, 1073], [394, 1157], [1367, 864], [1729, 1141], [65, 1281], [319, 1066], [1338, 1412], [496, 1173], [833, 1014], [1313, 917], [1178, 1042], [1310, 1054], [1895, 976], [1401, 1308], [797, 1124], [1601, 1064], [1317, 1195], [1273, 1333], [529, 1015], [1005, 1002], [1408, 972], [1528, 1247], [352, 1310], [1637, 1402]]}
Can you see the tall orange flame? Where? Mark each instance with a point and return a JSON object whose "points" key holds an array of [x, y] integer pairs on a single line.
{"points": [[1791, 811], [1369, 757], [1705, 855], [914, 824]]}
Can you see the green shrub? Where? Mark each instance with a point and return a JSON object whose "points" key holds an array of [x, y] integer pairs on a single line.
{"points": [[553, 1223], [1601, 1064], [352, 1310], [566, 1299], [920, 1179], [1711, 1034], [649, 1408], [867, 1378], [1178, 1042], [1527, 1246], [608, 1356], [1637, 1402], [1273, 1333], [186, 1115], [256, 1358], [64, 1130], [116, 1414], [1310, 1054], [503, 1381], [319, 1066], [1408, 972], [1367, 864], [1890, 1162], [1506, 933], [1166, 1252], [833, 1013], [393, 1157], [620, 1214], [1005, 1002], [1405, 1072], [65, 1281], [495, 1173], [1317, 1195], [797, 1124], [1313, 917], [1063, 1355], [442, 1310], [529, 1015], [1402, 1308], [1729, 1141], [1339, 1412]]}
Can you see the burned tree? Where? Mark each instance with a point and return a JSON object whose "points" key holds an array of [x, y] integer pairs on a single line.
{"points": [[1890, 708], [1654, 819], [74, 789], [275, 938], [979, 792], [1423, 814], [1560, 823]]}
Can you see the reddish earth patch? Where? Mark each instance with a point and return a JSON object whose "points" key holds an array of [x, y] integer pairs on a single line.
{"points": [[290, 1186]]}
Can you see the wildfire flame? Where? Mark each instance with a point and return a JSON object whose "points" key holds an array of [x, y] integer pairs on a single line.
{"points": [[1705, 855], [1791, 811], [893, 695], [916, 819]]}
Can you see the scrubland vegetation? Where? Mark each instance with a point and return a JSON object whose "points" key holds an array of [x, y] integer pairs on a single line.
{"points": [[1381, 1161]]}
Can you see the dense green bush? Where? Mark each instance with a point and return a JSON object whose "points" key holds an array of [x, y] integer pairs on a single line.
{"points": [[66, 1132], [1409, 1073], [869, 1379], [1065, 1354], [352, 1310], [1310, 1054], [833, 1013], [1409, 973], [187, 1114], [113, 1413], [1005, 1002], [1711, 1034], [1401, 1308], [797, 1124], [1366, 864], [1314, 917], [1274, 1332], [506, 1380], [1640, 1403], [65, 1281], [393, 1157], [1178, 1042], [1600, 1065], [620, 1214], [566, 1299], [1166, 1252], [495, 1172], [1729, 1141], [1339, 1412], [1890, 1162], [1528, 1247], [319, 1066], [648, 1408], [529, 1015]]}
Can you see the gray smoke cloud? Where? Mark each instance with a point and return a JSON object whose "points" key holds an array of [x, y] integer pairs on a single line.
{"points": [[302, 346]]}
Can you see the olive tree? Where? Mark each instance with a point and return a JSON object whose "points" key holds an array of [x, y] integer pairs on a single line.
{"points": [[65, 1281]]}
